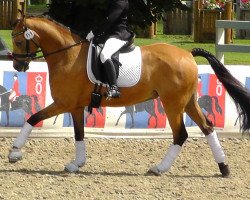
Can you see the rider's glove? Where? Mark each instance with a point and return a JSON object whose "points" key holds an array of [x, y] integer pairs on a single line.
{"points": [[90, 36]]}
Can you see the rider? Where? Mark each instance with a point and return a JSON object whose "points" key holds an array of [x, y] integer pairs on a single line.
{"points": [[116, 34]]}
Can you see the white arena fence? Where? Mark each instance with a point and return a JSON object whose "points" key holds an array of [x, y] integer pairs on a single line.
{"points": [[104, 121], [220, 46]]}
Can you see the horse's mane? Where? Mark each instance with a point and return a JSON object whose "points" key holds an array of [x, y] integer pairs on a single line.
{"points": [[49, 18]]}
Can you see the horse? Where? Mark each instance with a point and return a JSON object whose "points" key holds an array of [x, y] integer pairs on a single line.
{"points": [[22, 102], [167, 71], [148, 106], [206, 102]]}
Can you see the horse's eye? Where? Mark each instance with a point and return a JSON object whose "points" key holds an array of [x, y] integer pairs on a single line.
{"points": [[18, 43]]}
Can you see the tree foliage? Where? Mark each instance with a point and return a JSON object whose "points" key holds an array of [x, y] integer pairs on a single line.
{"points": [[83, 15]]}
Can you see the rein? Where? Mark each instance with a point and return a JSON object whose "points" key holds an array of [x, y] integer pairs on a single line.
{"points": [[60, 50]]}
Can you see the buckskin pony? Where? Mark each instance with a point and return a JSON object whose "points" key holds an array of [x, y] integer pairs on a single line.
{"points": [[167, 72]]}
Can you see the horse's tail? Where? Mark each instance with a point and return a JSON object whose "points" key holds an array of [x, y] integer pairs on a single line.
{"points": [[217, 105], [239, 94], [36, 103]]}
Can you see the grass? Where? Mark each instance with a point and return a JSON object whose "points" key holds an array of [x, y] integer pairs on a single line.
{"points": [[6, 36], [186, 42], [182, 41]]}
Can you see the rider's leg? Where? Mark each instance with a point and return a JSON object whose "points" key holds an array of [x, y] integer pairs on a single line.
{"points": [[111, 78], [111, 46]]}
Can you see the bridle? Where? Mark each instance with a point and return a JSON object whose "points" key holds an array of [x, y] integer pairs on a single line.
{"points": [[28, 56]]}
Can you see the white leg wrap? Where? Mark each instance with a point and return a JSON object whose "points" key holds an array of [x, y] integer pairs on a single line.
{"points": [[23, 136], [167, 161], [80, 158], [169, 158], [80, 153], [216, 148]]}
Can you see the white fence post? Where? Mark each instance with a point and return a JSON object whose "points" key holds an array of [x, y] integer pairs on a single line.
{"points": [[220, 46], [220, 39]]}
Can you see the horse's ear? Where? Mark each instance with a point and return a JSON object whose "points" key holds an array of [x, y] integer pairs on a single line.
{"points": [[20, 15]]}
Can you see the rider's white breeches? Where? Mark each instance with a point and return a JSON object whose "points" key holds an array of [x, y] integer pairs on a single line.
{"points": [[111, 46]]}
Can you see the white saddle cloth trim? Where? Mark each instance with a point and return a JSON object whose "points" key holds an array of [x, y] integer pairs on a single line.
{"points": [[129, 72]]}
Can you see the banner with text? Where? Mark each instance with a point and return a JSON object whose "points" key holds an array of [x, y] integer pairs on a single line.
{"points": [[23, 94]]}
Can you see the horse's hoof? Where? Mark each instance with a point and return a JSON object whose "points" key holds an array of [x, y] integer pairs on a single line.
{"points": [[224, 169], [15, 155], [155, 171], [71, 168]]}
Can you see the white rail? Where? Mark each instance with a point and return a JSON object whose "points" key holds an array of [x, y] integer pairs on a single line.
{"points": [[220, 46]]}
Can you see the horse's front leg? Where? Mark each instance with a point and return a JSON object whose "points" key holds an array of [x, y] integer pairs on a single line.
{"points": [[50, 111], [80, 151]]}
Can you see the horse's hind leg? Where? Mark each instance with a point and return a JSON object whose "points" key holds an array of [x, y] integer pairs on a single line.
{"points": [[50, 111], [179, 135], [194, 111], [80, 151]]}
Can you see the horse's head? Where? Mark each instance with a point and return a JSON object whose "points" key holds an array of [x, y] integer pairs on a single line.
{"points": [[25, 44]]}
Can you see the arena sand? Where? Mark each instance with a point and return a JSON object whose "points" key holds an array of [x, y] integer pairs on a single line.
{"points": [[116, 169]]}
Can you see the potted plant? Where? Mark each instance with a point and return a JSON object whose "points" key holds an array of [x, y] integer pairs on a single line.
{"points": [[214, 4], [245, 4]]}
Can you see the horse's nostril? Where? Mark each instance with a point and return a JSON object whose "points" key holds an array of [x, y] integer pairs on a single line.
{"points": [[10, 56]]}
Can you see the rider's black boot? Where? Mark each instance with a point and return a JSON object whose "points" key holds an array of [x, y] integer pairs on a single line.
{"points": [[111, 76]]}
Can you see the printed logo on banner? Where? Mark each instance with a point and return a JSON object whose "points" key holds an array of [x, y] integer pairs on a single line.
{"points": [[26, 93], [149, 114], [211, 98], [96, 119]]}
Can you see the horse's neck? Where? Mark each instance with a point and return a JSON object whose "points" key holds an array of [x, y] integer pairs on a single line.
{"points": [[54, 38]]}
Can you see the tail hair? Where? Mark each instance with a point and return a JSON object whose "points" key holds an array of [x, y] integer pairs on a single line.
{"points": [[235, 89]]}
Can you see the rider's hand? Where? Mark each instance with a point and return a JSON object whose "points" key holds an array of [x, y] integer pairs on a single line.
{"points": [[90, 36]]}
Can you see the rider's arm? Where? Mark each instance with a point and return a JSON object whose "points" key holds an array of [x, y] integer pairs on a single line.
{"points": [[115, 12]]}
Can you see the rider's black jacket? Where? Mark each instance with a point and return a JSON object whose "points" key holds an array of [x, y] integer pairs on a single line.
{"points": [[115, 23]]}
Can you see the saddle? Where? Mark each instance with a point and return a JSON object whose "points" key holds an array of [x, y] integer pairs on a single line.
{"points": [[98, 69]]}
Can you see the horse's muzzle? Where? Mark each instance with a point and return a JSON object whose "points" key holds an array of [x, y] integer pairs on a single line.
{"points": [[21, 66]]}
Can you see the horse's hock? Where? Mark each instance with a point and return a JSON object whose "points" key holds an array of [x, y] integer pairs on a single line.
{"points": [[204, 22]]}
